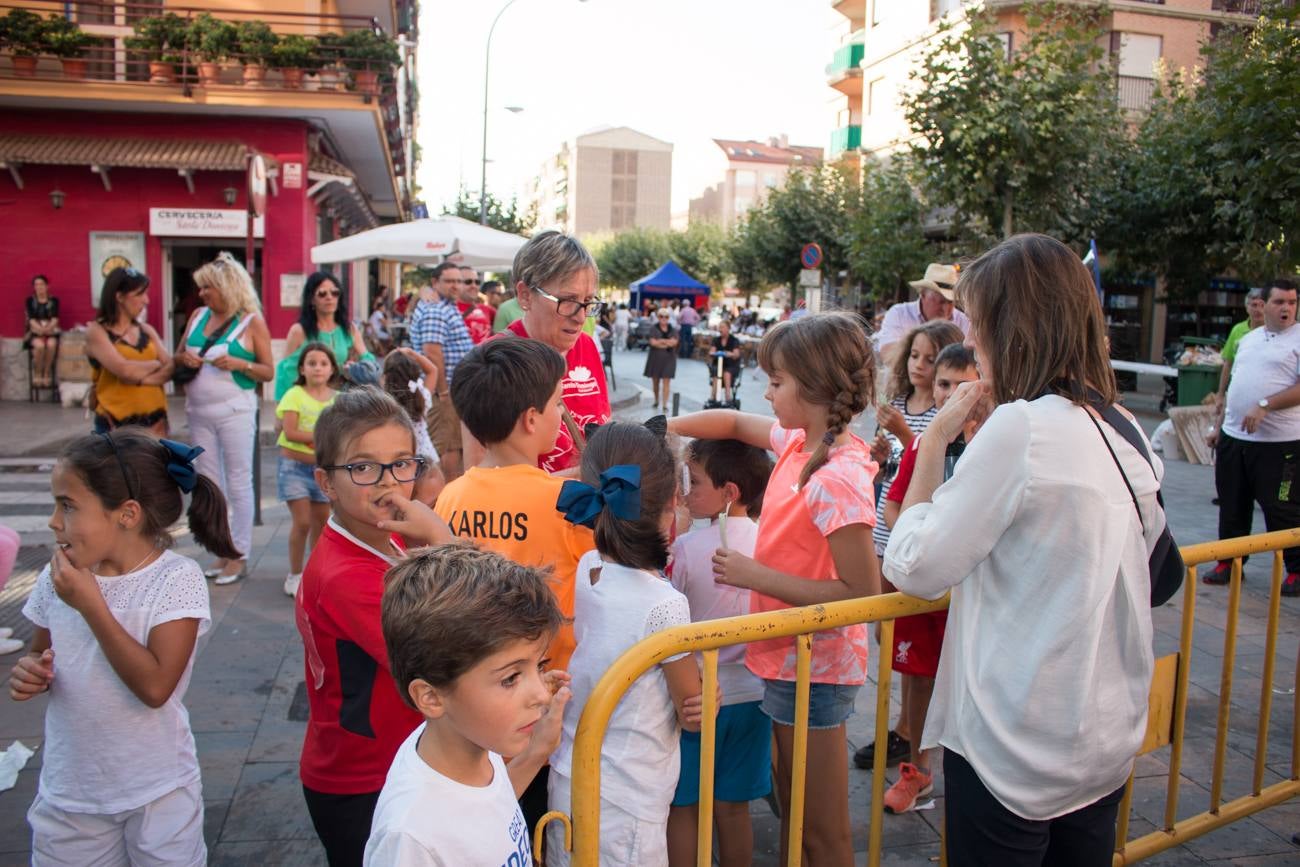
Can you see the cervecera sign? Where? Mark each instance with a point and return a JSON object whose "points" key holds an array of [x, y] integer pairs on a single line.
{"points": [[203, 223]]}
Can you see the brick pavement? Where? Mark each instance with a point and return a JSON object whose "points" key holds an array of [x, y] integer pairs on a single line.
{"points": [[247, 706]]}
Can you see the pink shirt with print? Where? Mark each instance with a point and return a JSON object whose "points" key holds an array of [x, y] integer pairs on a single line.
{"points": [[792, 539]]}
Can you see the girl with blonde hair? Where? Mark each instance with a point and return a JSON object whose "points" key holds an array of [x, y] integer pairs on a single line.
{"points": [[227, 349]]}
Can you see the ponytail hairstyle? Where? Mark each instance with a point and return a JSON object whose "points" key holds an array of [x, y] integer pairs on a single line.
{"points": [[400, 370], [940, 332], [317, 346], [829, 358], [130, 464], [640, 542]]}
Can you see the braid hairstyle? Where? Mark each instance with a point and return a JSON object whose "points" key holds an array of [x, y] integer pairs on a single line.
{"points": [[830, 359]]}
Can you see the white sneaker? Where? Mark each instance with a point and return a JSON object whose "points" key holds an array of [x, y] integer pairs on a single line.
{"points": [[6, 632], [291, 582], [223, 580], [11, 645]]}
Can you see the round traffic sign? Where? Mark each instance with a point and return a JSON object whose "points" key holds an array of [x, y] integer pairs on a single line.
{"points": [[810, 256]]}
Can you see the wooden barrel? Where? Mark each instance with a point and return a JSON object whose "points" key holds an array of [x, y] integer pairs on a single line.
{"points": [[74, 366]]}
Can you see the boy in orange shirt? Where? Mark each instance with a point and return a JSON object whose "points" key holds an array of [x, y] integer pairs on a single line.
{"points": [[507, 393]]}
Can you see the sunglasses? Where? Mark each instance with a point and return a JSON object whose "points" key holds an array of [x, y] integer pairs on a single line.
{"points": [[327, 293]]}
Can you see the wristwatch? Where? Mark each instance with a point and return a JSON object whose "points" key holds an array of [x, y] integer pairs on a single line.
{"points": [[1263, 403]]}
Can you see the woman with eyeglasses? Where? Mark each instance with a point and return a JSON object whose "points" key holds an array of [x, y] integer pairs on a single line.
{"points": [[556, 284], [130, 364], [228, 344], [324, 318], [661, 362]]}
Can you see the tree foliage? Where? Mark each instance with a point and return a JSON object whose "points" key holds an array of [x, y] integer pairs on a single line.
{"points": [[507, 218], [887, 245], [1019, 142], [701, 251]]}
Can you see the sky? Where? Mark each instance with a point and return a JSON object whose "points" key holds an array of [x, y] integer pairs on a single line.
{"points": [[684, 71]]}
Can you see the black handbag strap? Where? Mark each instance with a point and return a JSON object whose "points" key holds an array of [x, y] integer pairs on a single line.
{"points": [[217, 333], [1120, 467]]}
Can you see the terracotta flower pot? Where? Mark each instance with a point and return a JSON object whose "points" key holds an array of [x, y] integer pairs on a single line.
{"points": [[74, 67], [292, 78], [24, 65], [330, 79], [162, 72], [367, 81], [209, 74], [254, 75]]}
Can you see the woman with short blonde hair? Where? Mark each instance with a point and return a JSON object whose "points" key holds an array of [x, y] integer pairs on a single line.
{"points": [[228, 347]]}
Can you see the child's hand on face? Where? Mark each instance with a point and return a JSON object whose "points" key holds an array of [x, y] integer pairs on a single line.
{"points": [[546, 733], [75, 586], [32, 675], [733, 568], [414, 520]]}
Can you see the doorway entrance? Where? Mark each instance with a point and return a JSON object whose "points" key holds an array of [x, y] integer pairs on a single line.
{"points": [[181, 258]]}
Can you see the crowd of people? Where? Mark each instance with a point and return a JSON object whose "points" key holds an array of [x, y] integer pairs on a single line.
{"points": [[475, 542]]}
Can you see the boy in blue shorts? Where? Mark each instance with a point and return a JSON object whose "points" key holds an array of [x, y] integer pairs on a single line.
{"points": [[727, 480]]}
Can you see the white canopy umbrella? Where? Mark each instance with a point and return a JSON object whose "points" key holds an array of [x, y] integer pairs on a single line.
{"points": [[427, 241]]}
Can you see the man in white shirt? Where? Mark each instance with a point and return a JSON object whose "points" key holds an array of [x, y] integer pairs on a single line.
{"points": [[934, 301], [1257, 440]]}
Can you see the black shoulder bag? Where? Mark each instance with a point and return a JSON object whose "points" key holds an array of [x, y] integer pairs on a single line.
{"points": [[1166, 561], [184, 374]]}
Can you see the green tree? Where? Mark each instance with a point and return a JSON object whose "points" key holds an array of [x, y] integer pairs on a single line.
{"points": [[1017, 143], [630, 255], [499, 216], [886, 240], [701, 251]]}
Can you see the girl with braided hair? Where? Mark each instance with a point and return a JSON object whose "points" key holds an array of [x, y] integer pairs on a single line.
{"points": [[814, 546]]}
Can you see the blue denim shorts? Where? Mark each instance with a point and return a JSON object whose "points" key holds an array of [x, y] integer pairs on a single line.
{"points": [[297, 481], [829, 704]]}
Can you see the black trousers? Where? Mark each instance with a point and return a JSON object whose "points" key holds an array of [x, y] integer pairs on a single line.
{"points": [[1246, 473], [343, 824], [980, 831]]}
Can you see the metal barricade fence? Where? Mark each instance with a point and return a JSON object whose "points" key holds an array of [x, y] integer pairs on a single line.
{"points": [[1165, 724]]}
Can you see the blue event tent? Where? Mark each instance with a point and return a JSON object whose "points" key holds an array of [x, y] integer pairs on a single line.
{"points": [[668, 282]]}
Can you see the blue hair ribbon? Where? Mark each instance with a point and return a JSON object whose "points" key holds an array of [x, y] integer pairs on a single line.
{"points": [[180, 464], [619, 492]]}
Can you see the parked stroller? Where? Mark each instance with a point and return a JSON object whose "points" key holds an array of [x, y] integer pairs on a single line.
{"points": [[717, 394]]}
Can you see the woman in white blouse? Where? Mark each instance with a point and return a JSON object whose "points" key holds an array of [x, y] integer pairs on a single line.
{"points": [[1041, 696]]}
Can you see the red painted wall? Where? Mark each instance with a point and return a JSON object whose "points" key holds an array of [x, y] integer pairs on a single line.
{"points": [[36, 238]]}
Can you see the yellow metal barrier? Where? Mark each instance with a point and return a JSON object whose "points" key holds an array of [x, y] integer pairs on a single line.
{"points": [[1165, 726]]}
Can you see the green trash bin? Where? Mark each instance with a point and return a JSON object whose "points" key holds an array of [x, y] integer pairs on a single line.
{"points": [[1195, 381]]}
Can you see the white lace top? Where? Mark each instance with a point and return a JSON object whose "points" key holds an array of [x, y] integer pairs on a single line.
{"points": [[105, 750], [640, 759]]}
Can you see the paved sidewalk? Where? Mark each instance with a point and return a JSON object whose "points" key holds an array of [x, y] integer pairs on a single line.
{"points": [[248, 706]]}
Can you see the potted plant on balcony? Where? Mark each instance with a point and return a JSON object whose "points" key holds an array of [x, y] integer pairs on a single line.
{"points": [[23, 33], [368, 53], [256, 43], [162, 39], [295, 55], [212, 42], [66, 41]]}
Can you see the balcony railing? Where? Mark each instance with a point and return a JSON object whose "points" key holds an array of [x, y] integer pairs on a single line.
{"points": [[1239, 7], [846, 138], [846, 59], [1133, 93]]}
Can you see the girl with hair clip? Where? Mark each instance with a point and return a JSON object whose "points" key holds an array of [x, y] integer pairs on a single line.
{"points": [[412, 379], [117, 616], [814, 546], [628, 496]]}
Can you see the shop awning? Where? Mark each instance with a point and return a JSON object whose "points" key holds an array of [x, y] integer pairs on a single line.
{"points": [[335, 186]]}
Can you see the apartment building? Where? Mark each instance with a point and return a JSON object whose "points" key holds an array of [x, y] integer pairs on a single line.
{"points": [[605, 180], [883, 41], [141, 159], [749, 168]]}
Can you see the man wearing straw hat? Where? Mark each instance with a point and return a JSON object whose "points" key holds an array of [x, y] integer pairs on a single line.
{"points": [[934, 301]]}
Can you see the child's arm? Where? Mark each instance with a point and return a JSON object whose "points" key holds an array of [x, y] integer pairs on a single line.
{"points": [[855, 563], [546, 734], [725, 424], [889, 418], [292, 432], [150, 672], [416, 522], [684, 684], [34, 671], [893, 509]]}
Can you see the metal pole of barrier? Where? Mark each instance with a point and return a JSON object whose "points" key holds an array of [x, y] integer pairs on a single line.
{"points": [[1180, 700], [708, 742], [885, 668], [257, 462], [1225, 685], [1266, 678], [799, 753], [677, 404]]}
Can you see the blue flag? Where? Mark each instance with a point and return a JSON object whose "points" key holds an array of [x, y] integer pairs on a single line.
{"points": [[1093, 263]]}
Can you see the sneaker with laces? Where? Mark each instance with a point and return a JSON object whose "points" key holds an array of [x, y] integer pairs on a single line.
{"points": [[1220, 574], [1291, 584], [913, 783], [291, 582], [896, 749]]}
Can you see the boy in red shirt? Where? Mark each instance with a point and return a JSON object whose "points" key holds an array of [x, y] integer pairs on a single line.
{"points": [[919, 638], [367, 466]]}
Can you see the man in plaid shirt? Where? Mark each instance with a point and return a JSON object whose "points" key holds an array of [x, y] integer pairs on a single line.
{"points": [[438, 331]]}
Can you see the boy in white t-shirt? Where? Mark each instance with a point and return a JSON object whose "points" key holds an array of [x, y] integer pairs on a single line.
{"points": [[467, 633], [727, 481]]}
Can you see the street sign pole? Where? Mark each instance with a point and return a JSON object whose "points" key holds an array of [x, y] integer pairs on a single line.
{"points": [[256, 208]]}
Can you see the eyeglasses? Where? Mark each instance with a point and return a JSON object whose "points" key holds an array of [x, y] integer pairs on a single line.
{"points": [[569, 307], [327, 293], [366, 473]]}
